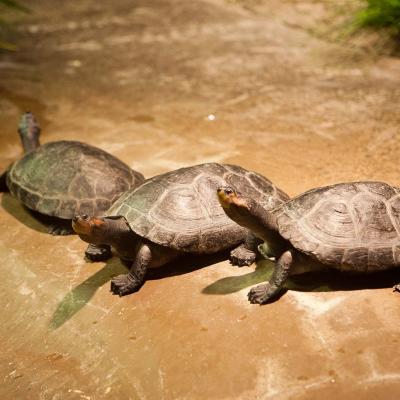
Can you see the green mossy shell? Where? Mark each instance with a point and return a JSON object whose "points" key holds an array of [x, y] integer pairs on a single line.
{"points": [[66, 178]]}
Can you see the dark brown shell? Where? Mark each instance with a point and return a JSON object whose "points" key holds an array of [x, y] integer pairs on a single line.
{"points": [[352, 226], [180, 209], [66, 178]]}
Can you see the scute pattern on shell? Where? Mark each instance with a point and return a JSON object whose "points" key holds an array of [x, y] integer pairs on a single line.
{"points": [[180, 209], [66, 178], [351, 226]]}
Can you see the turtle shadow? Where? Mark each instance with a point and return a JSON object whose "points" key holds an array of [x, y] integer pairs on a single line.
{"points": [[331, 280], [30, 218], [80, 295], [326, 280], [186, 264], [22, 214], [232, 284]]}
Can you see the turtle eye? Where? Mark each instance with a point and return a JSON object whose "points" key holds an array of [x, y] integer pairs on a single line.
{"points": [[228, 191], [85, 217]]}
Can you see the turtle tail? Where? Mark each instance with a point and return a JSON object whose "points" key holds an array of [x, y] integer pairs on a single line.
{"points": [[3, 182]]}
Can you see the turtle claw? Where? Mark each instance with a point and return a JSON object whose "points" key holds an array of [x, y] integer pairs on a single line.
{"points": [[59, 230], [124, 284], [242, 257], [98, 253], [258, 294], [396, 288], [262, 294]]}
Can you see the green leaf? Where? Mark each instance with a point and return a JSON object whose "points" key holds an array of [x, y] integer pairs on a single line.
{"points": [[380, 14]]}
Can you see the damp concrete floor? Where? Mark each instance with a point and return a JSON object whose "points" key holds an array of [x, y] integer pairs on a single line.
{"points": [[164, 84]]}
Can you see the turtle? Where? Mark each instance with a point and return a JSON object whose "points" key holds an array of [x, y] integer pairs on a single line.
{"points": [[63, 178], [352, 227], [173, 214]]}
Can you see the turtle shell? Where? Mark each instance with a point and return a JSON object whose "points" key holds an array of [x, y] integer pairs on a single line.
{"points": [[180, 209], [66, 178], [350, 226]]}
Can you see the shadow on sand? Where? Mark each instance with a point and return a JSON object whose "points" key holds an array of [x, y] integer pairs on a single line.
{"points": [[232, 284], [27, 217], [32, 219], [79, 296], [321, 281]]}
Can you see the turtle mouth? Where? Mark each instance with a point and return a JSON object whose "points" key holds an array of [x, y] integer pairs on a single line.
{"points": [[223, 198], [228, 198], [81, 225]]}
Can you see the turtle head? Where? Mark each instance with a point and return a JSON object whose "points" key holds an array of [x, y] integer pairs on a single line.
{"points": [[91, 229], [29, 132], [248, 213], [235, 205], [228, 197]]}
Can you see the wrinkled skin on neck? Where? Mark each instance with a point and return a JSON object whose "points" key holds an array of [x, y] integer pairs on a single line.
{"points": [[113, 231], [249, 214], [29, 132]]}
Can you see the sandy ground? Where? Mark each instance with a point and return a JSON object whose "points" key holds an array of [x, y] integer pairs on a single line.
{"points": [[141, 80]]}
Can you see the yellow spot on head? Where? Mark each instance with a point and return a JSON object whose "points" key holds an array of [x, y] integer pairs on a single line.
{"points": [[224, 199]]}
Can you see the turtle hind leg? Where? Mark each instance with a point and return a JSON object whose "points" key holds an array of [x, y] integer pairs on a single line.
{"points": [[245, 254], [57, 230], [60, 227], [100, 252], [396, 288], [242, 256], [262, 294]]}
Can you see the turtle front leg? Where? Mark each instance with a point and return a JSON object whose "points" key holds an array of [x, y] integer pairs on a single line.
{"points": [[99, 252], [396, 288], [129, 283], [261, 294], [245, 254]]}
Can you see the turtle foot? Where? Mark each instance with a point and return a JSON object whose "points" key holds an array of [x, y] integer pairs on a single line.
{"points": [[60, 230], [124, 284], [396, 288], [242, 257], [98, 253], [262, 294]]}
